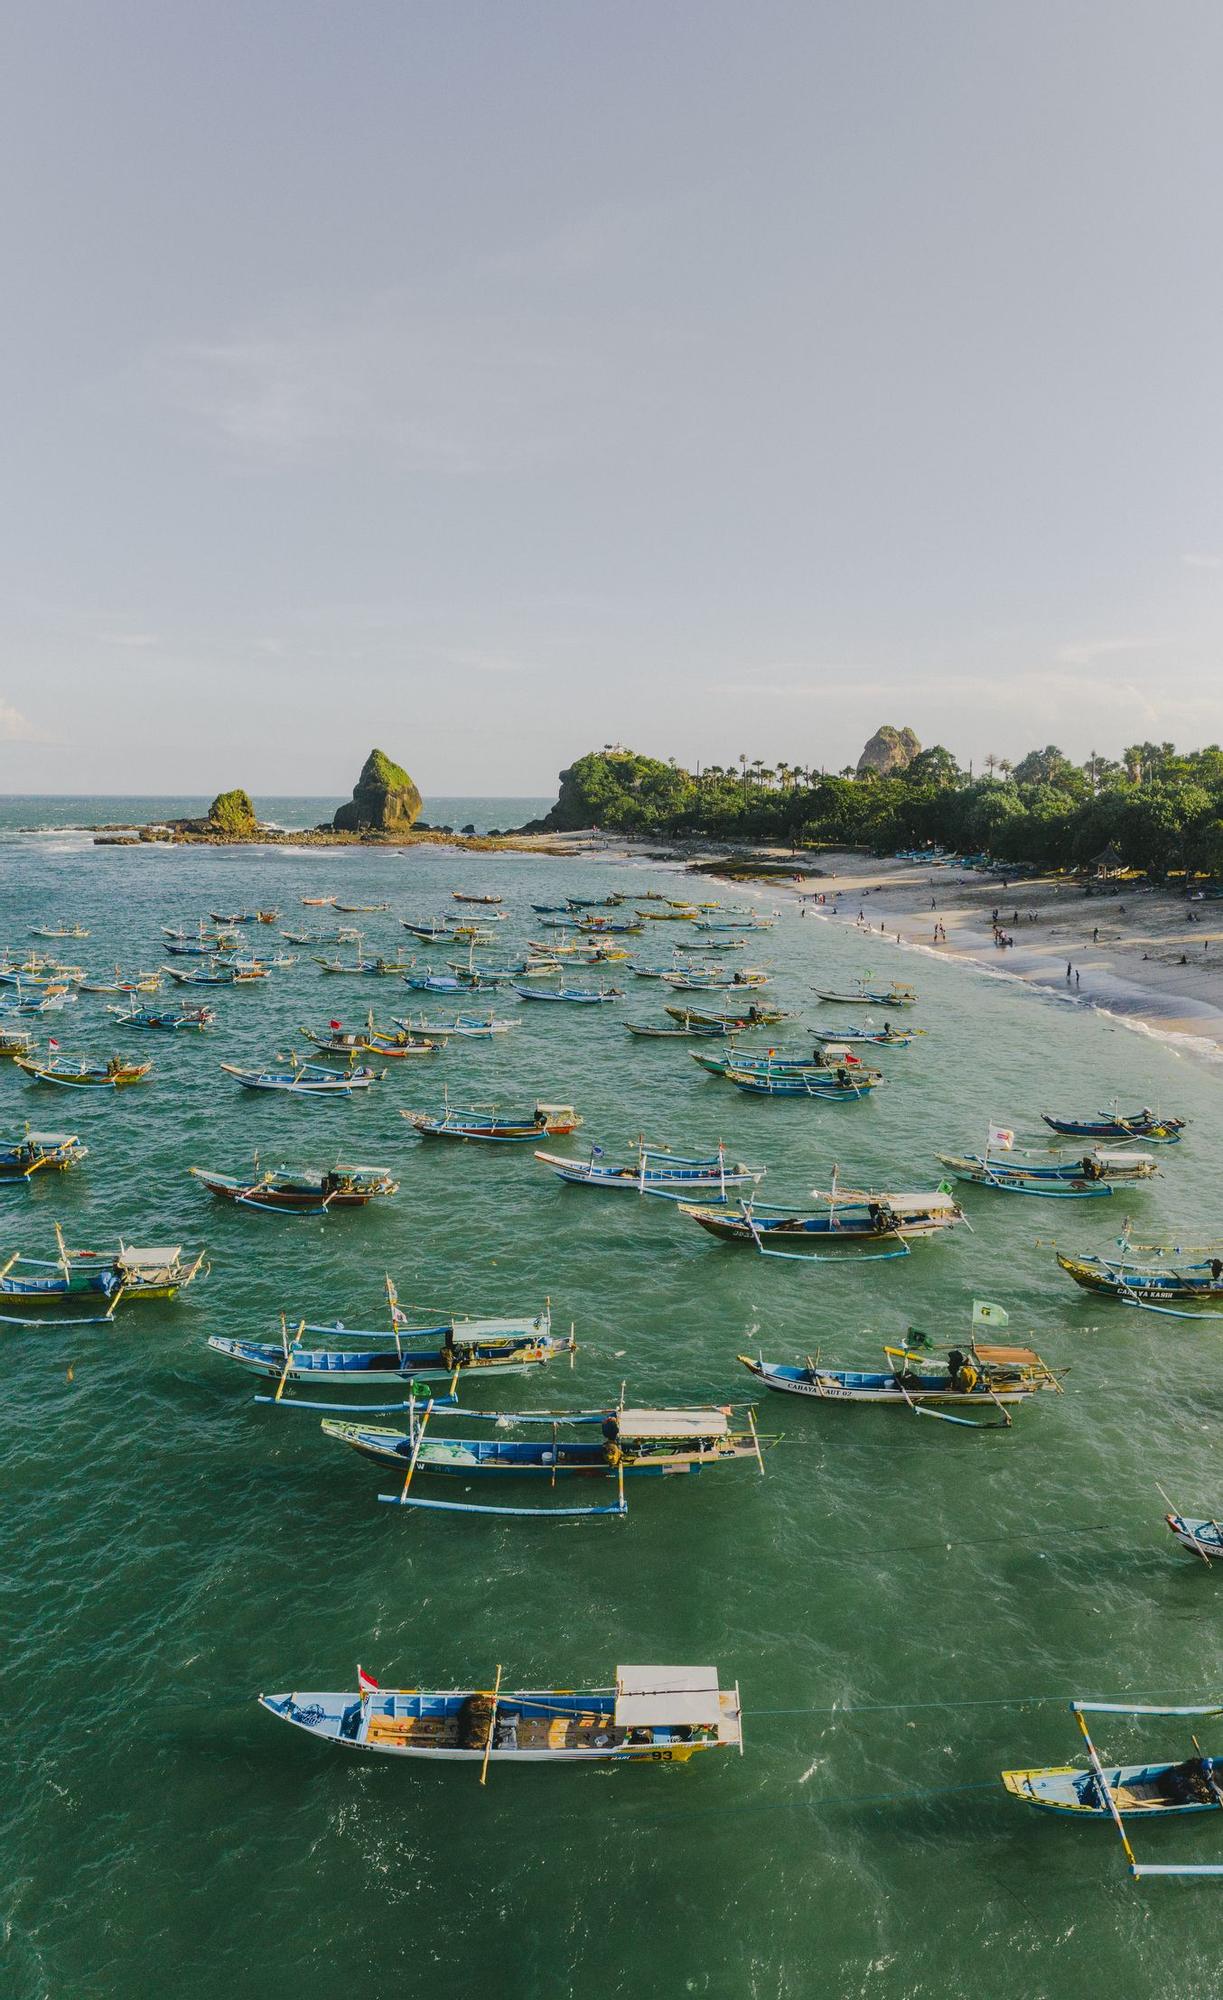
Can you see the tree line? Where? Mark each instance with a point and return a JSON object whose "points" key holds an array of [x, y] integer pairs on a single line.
{"points": [[1155, 809]]}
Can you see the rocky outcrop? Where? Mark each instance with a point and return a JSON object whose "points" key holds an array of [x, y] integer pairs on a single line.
{"points": [[232, 815], [889, 750], [384, 799]]}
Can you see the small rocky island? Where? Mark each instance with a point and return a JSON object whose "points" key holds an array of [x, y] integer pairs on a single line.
{"points": [[384, 799]]}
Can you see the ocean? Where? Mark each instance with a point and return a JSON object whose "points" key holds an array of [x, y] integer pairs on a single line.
{"points": [[907, 1606]]}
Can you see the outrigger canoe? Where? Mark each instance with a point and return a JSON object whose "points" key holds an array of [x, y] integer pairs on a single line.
{"points": [[656, 1171], [23, 1158], [653, 1715], [483, 1124], [1129, 1792], [632, 1443], [86, 1075], [981, 1378], [1116, 1125], [305, 1079], [305, 1193], [843, 1215]]}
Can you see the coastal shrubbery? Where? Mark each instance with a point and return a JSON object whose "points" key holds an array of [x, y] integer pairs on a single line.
{"points": [[1155, 809]]}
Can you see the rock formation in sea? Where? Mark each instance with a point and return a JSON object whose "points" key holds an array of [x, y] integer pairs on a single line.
{"points": [[889, 750], [384, 799], [233, 815]]}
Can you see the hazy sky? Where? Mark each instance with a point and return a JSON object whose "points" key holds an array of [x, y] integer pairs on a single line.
{"points": [[492, 379]]}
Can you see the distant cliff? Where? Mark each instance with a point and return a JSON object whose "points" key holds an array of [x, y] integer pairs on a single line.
{"points": [[384, 799]]}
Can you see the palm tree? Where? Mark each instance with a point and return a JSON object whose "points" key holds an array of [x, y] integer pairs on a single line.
{"points": [[991, 763]]}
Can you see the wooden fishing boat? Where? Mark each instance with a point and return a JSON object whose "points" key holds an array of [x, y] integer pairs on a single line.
{"points": [[114, 1074], [1122, 1792], [834, 1087], [605, 927], [406, 1355], [35, 1283], [317, 902], [367, 968], [682, 1031], [218, 974], [656, 1171], [693, 980], [166, 1018], [16, 1042], [886, 1037], [1205, 1538], [839, 1215], [21, 1159], [1099, 1171], [305, 1079], [727, 923], [480, 1122], [459, 897], [395, 1042], [434, 982], [862, 995], [1156, 1277], [982, 1378], [194, 948], [753, 1016], [301, 1193], [647, 1443], [235, 917], [574, 996], [59, 931], [429, 933], [654, 1715], [140, 982], [267, 916], [41, 975], [50, 1000], [466, 1027], [707, 944], [361, 909], [1117, 1125]]}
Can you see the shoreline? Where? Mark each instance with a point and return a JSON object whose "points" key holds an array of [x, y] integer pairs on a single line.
{"points": [[1148, 959]]}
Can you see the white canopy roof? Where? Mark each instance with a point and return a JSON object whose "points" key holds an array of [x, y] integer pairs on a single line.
{"points": [[156, 1259], [673, 1423], [649, 1696]]}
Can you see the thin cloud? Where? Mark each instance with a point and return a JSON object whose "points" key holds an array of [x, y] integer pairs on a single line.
{"points": [[1083, 651], [16, 727], [1199, 561]]}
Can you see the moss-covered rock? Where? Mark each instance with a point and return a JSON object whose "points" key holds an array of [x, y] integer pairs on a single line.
{"points": [[384, 799], [232, 814]]}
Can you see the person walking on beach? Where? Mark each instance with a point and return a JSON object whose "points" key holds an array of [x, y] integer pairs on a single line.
{"points": [[1069, 970], [1076, 979]]}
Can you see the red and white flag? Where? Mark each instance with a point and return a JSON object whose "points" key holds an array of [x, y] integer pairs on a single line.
{"points": [[52, 1044], [366, 1682], [334, 1024]]}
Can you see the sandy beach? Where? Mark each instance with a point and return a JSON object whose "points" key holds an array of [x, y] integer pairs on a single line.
{"points": [[1152, 958]]}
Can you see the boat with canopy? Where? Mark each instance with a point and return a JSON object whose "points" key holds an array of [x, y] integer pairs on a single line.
{"points": [[885, 1037], [403, 1355], [653, 1715], [167, 1019], [651, 1443], [981, 1378], [658, 1171], [395, 1042], [465, 1027], [303, 1191], [108, 1276], [1121, 1792], [752, 1016], [840, 1215], [1097, 1173]]}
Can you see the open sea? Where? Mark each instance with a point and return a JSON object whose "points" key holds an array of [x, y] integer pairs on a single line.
{"points": [[908, 1606]]}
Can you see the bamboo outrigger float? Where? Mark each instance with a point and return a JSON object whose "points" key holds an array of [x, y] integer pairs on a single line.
{"points": [[648, 1443], [1122, 1792], [653, 1715]]}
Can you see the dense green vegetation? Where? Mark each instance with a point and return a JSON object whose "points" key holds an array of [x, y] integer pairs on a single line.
{"points": [[1155, 810], [232, 814]]}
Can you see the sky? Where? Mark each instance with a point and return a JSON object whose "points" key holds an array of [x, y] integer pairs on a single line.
{"points": [[493, 382]]}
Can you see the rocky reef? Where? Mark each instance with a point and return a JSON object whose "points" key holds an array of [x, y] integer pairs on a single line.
{"points": [[384, 799], [889, 751]]}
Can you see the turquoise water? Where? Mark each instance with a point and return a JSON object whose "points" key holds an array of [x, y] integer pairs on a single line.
{"points": [[66, 810], [905, 1604]]}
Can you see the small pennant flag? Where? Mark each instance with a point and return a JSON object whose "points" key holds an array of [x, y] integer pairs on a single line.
{"points": [[596, 1152], [52, 1043], [334, 1024], [983, 1314], [1001, 1138], [366, 1682]]}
